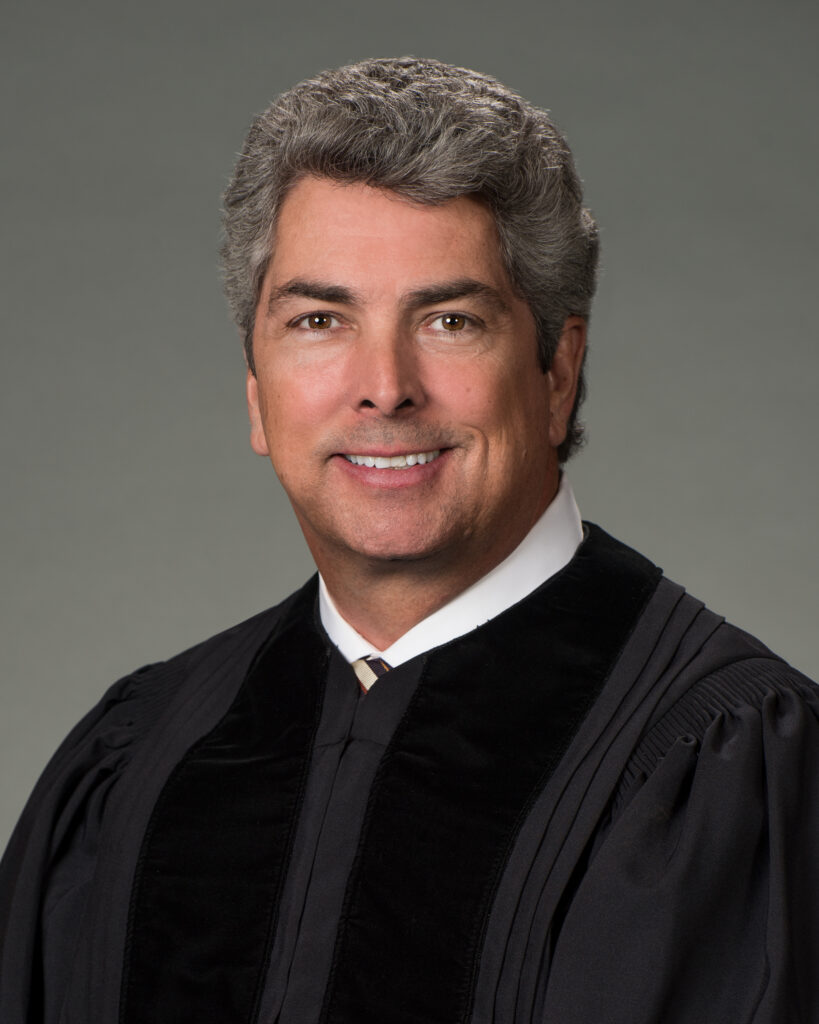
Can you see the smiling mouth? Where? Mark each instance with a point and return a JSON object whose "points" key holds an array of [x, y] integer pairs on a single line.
{"points": [[394, 461]]}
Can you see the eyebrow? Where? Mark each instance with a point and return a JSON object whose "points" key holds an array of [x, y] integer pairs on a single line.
{"points": [[319, 290], [429, 295], [448, 291]]}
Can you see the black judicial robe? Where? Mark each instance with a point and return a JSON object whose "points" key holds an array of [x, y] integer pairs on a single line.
{"points": [[601, 806]]}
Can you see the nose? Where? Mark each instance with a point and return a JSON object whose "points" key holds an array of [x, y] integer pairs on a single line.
{"points": [[387, 375]]}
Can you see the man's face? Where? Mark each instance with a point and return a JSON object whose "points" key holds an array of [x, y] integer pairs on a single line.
{"points": [[397, 390]]}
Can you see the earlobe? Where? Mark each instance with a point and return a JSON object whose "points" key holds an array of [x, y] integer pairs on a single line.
{"points": [[258, 441], [564, 375]]}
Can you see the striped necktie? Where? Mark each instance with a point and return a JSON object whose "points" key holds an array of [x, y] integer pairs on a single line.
{"points": [[369, 669]]}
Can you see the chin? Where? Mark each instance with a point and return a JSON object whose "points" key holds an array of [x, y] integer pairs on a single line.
{"points": [[390, 545], [391, 552], [383, 538]]}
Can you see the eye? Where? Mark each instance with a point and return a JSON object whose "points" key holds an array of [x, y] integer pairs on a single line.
{"points": [[452, 322], [316, 322]]}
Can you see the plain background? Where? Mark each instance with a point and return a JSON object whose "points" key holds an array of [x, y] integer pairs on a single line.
{"points": [[136, 521]]}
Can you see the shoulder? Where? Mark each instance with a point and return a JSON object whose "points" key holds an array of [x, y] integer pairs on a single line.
{"points": [[149, 690], [161, 695], [731, 671], [217, 662], [715, 665], [735, 714], [711, 689]]}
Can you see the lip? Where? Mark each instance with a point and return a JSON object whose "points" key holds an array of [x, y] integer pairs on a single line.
{"points": [[392, 479], [389, 453]]}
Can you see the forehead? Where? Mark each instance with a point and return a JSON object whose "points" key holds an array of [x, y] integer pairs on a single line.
{"points": [[329, 228]]}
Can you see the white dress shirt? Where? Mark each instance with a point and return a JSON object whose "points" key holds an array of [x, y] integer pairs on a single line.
{"points": [[545, 550]]}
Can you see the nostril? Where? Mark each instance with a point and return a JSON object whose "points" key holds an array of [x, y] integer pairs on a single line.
{"points": [[368, 403]]}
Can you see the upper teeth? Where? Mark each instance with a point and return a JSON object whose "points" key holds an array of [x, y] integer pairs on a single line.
{"points": [[394, 461]]}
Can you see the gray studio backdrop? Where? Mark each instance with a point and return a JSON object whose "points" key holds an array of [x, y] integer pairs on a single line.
{"points": [[136, 521]]}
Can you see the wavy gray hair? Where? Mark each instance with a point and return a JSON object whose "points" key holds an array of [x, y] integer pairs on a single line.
{"points": [[429, 132]]}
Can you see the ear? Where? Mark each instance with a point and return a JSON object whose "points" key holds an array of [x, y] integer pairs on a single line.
{"points": [[563, 375], [258, 441]]}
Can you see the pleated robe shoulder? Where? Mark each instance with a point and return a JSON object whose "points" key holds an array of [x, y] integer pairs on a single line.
{"points": [[599, 806]]}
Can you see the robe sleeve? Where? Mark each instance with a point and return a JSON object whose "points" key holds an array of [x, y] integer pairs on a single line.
{"points": [[48, 867], [700, 902]]}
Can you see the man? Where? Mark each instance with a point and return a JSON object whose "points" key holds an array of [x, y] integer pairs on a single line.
{"points": [[490, 765]]}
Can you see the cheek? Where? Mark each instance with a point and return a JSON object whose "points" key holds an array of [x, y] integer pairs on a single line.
{"points": [[283, 431], [493, 403], [291, 399], [517, 420], [307, 386], [468, 387]]}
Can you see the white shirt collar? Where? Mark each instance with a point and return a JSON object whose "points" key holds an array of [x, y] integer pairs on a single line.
{"points": [[545, 550]]}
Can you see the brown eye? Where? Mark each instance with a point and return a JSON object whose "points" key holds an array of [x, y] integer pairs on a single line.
{"points": [[318, 321], [453, 322]]}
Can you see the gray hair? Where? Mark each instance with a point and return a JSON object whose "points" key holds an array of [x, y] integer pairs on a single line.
{"points": [[429, 132]]}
